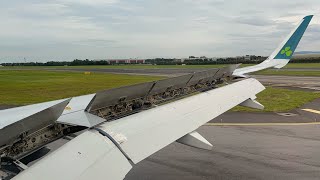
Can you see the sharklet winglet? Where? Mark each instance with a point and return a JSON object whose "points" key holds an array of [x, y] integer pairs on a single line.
{"points": [[283, 53]]}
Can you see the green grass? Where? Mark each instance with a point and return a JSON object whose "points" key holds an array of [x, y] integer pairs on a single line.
{"points": [[27, 87], [281, 100], [20, 87], [288, 73]]}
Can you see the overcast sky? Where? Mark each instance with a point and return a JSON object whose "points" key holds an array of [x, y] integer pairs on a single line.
{"points": [[68, 29]]}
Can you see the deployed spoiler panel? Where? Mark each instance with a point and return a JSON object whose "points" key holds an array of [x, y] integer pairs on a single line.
{"points": [[119, 102], [126, 93], [170, 83]]}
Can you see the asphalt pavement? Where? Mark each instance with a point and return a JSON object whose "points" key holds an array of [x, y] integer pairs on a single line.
{"points": [[239, 152]]}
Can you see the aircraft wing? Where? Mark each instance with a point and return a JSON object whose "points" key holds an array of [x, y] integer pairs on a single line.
{"points": [[109, 150], [114, 129]]}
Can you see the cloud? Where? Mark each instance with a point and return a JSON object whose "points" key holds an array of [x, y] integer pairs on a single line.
{"points": [[95, 43], [89, 2], [142, 28], [254, 21]]}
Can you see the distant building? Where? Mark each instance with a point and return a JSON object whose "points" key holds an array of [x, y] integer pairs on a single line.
{"points": [[123, 61], [177, 60], [214, 59], [247, 57]]}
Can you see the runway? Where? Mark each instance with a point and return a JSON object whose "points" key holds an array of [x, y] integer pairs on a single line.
{"points": [[304, 82], [301, 82], [298, 69]]}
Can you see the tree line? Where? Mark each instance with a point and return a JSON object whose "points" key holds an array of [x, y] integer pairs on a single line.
{"points": [[76, 62], [162, 61]]}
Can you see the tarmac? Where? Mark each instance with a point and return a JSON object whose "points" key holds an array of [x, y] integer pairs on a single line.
{"points": [[157, 71], [293, 82], [239, 152]]}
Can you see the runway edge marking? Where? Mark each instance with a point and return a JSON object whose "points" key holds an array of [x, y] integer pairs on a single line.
{"points": [[312, 111], [261, 124]]}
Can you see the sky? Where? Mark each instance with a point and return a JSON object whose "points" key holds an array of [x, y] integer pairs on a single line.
{"points": [[43, 30]]}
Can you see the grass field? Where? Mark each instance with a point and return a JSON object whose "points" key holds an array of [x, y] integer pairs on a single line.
{"points": [[280, 100], [27, 87]]}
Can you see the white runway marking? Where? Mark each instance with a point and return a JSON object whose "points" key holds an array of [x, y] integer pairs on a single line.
{"points": [[261, 124], [311, 110]]}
